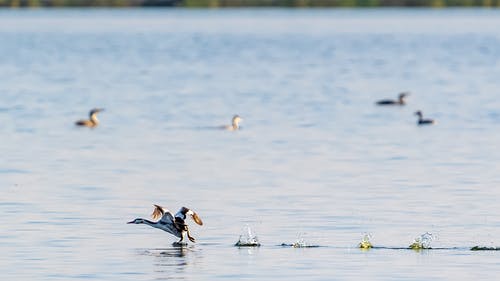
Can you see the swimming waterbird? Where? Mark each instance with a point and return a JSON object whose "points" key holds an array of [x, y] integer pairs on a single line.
{"points": [[422, 121], [399, 101], [92, 121], [174, 225], [235, 124]]}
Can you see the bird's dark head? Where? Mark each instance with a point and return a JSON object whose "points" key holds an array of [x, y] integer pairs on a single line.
{"points": [[137, 221], [418, 113], [402, 96], [96, 110]]}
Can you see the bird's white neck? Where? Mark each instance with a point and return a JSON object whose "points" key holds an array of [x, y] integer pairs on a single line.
{"points": [[150, 223], [93, 118]]}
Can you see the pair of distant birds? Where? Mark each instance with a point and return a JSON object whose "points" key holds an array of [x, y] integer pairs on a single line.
{"points": [[93, 121], [401, 101]]}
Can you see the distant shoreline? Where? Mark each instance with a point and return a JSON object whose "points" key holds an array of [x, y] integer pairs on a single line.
{"points": [[250, 3]]}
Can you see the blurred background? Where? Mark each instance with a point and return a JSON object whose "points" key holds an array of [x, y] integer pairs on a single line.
{"points": [[253, 3]]}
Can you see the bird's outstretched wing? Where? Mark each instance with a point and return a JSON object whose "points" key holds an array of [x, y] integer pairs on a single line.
{"points": [[185, 211], [196, 218], [163, 214]]}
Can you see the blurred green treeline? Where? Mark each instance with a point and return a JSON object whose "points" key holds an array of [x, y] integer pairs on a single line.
{"points": [[251, 3]]}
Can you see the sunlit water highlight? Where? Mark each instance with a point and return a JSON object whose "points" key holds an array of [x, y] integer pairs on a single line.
{"points": [[314, 156]]}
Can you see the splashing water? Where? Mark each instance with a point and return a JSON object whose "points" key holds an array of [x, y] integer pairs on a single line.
{"points": [[247, 239], [299, 243], [422, 242], [365, 242]]}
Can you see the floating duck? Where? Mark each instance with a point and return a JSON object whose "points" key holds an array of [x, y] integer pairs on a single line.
{"points": [[235, 124], [399, 101], [174, 225], [422, 121], [92, 121]]}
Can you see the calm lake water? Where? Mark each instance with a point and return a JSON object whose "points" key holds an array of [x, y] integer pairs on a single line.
{"points": [[315, 158]]}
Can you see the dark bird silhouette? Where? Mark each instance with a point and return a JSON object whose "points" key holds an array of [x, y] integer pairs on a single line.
{"points": [[422, 121], [399, 101]]}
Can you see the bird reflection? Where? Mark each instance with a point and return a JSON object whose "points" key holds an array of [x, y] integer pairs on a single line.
{"points": [[172, 262], [174, 251]]}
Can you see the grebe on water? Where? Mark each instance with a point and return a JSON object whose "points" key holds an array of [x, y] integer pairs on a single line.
{"points": [[400, 101], [93, 121], [422, 121], [172, 224], [235, 124]]}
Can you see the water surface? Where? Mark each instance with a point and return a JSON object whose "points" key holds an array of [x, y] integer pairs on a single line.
{"points": [[315, 157]]}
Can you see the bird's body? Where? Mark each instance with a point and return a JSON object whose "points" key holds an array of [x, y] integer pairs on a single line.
{"points": [[399, 101], [92, 121], [235, 124], [422, 121], [174, 225]]}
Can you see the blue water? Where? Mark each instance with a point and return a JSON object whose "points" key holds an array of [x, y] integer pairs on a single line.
{"points": [[315, 158]]}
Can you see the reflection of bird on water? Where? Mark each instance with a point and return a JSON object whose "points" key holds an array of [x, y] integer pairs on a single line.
{"points": [[92, 121], [174, 225], [422, 121], [166, 252], [235, 124], [400, 101]]}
